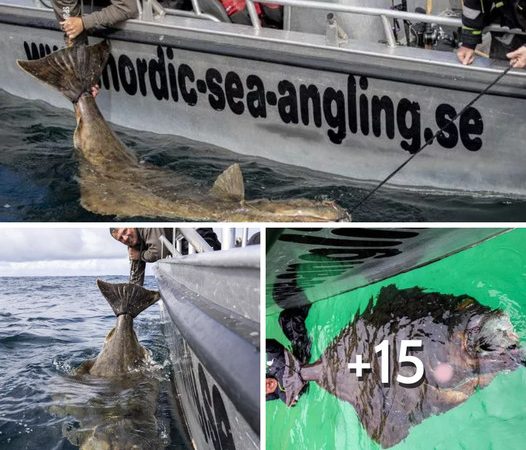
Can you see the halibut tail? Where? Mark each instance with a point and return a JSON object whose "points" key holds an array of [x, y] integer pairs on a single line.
{"points": [[72, 70], [127, 298]]}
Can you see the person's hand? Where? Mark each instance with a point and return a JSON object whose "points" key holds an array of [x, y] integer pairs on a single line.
{"points": [[134, 254], [518, 58], [466, 55], [95, 90], [72, 26]]}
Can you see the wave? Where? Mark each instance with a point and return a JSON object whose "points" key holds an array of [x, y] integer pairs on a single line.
{"points": [[24, 338]]}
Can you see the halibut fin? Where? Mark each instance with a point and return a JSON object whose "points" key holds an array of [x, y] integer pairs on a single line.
{"points": [[230, 185], [127, 298], [71, 70]]}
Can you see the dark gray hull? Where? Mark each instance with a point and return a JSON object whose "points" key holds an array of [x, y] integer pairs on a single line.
{"points": [[346, 259], [211, 321]]}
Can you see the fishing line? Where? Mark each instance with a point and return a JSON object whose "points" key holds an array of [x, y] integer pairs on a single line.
{"points": [[430, 141], [47, 5]]}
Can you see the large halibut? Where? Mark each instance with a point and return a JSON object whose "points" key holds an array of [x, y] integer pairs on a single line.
{"points": [[121, 385], [112, 180], [464, 345], [122, 353]]}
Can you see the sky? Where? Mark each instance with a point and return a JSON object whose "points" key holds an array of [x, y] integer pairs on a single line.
{"points": [[61, 252], [44, 251]]}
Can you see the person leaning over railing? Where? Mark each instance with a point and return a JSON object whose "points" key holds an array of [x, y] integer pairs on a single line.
{"points": [[476, 14], [144, 246], [75, 25]]}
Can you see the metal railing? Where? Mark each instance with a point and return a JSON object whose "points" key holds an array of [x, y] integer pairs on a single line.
{"points": [[231, 237], [152, 10], [383, 14]]}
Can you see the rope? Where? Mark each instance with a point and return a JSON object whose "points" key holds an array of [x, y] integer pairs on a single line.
{"points": [[430, 141]]}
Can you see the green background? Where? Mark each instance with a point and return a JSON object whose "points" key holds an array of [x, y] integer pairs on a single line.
{"points": [[494, 273]]}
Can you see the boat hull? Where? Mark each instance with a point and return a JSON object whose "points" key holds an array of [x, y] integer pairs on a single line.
{"points": [[211, 323], [328, 262], [356, 111]]}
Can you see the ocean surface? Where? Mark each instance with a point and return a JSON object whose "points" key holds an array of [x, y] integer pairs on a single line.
{"points": [[48, 327], [38, 175], [492, 418]]}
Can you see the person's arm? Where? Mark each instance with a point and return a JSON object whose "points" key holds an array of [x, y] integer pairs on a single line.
{"points": [[118, 11], [137, 271], [472, 24], [68, 15]]}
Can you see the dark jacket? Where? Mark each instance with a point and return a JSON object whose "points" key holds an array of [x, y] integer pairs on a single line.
{"points": [[477, 14]]}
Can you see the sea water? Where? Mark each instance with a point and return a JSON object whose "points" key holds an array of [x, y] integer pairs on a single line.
{"points": [[494, 273], [48, 327], [38, 175]]}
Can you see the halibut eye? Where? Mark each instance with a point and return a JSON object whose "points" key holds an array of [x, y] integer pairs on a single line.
{"points": [[484, 346]]}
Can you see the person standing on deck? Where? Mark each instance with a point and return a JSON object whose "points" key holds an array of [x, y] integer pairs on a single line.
{"points": [[75, 25], [476, 14]]}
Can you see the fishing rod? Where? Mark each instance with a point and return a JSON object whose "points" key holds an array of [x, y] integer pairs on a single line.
{"points": [[430, 140]]}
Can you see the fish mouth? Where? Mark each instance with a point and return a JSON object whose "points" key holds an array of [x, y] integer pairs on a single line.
{"points": [[496, 344], [495, 360], [518, 354]]}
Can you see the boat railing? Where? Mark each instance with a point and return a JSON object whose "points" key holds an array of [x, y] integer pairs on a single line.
{"points": [[231, 237], [336, 34], [150, 7], [383, 14], [152, 10]]}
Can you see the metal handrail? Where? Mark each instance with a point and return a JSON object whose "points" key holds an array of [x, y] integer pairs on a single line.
{"points": [[323, 6], [147, 14], [364, 10], [169, 246], [191, 14], [196, 243], [195, 240]]}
